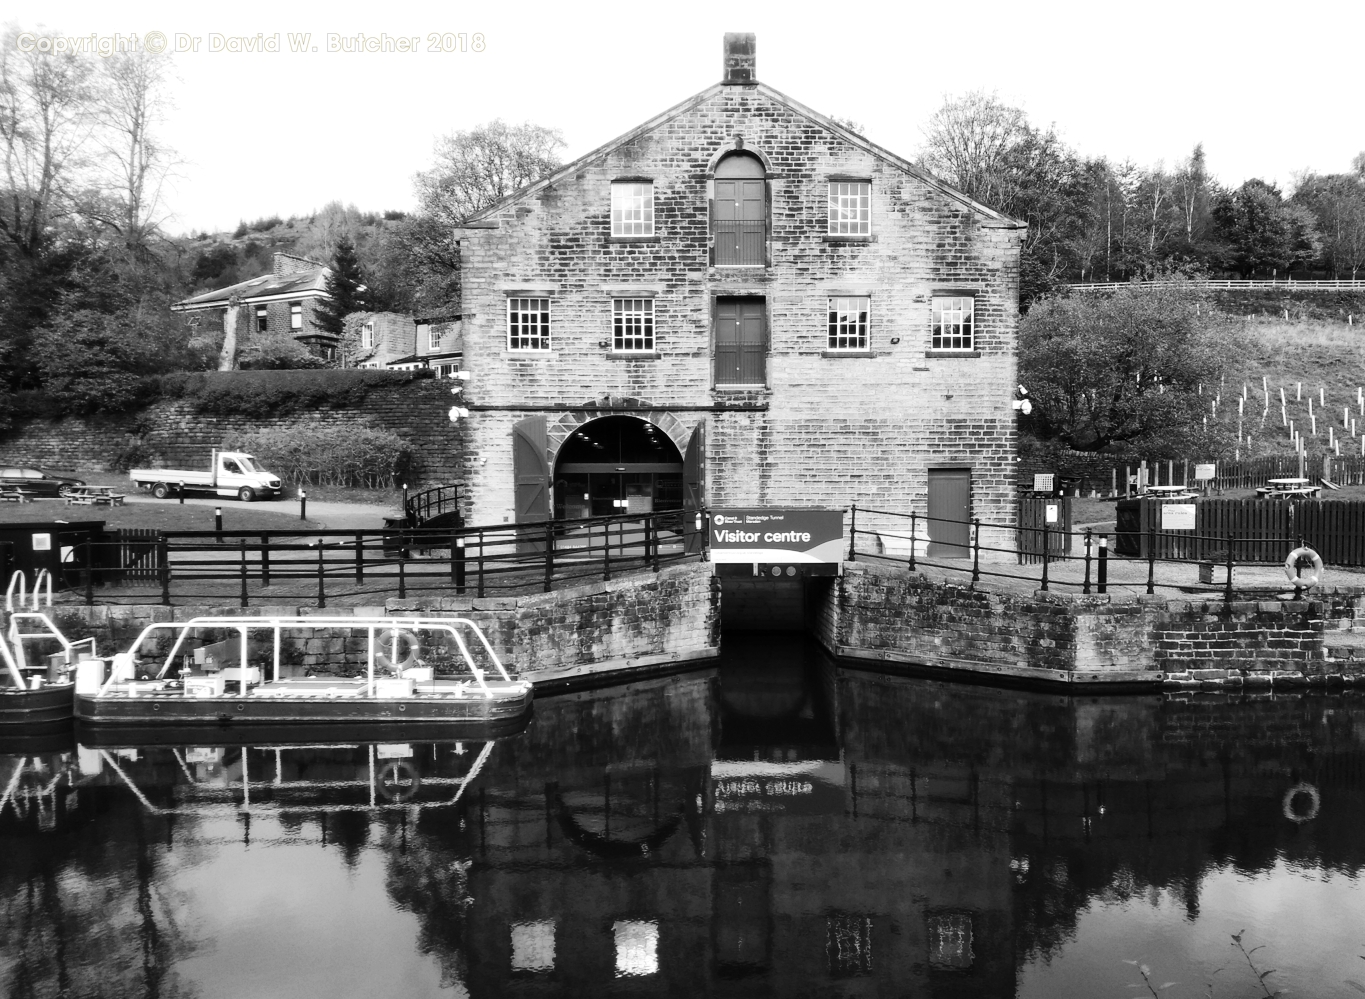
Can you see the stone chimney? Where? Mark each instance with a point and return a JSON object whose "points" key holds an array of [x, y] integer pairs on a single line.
{"points": [[285, 264], [740, 49]]}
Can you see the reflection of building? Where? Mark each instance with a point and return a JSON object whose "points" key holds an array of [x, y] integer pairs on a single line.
{"points": [[740, 302]]}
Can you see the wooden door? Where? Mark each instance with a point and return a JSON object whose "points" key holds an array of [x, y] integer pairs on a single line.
{"points": [[950, 512], [530, 476], [694, 489], [739, 213], [741, 341]]}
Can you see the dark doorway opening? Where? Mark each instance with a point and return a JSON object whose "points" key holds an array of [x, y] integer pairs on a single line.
{"points": [[617, 465]]}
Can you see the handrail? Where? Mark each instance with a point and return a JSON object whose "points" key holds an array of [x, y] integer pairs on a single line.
{"points": [[17, 577], [42, 575]]}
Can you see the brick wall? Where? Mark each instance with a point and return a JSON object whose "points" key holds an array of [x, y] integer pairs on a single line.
{"points": [[881, 612], [826, 430], [178, 437]]}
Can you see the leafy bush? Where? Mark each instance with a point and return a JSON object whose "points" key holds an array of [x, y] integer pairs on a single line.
{"points": [[325, 454], [266, 224], [280, 393], [240, 231]]}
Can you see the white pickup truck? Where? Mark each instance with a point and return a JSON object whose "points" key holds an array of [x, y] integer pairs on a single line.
{"points": [[231, 473]]}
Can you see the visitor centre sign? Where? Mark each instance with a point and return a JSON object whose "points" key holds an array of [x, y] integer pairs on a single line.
{"points": [[777, 542]]}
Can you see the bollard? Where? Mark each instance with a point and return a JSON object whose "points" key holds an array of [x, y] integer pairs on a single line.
{"points": [[241, 548], [218, 523], [265, 559], [1102, 570], [322, 592], [1085, 587], [458, 566], [359, 557], [182, 493], [303, 505], [1046, 556], [402, 579], [163, 557]]}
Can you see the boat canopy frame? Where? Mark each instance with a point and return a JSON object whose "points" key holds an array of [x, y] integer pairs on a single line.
{"points": [[395, 626]]}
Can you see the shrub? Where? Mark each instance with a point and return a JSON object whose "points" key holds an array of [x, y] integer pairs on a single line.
{"points": [[280, 393], [325, 454]]}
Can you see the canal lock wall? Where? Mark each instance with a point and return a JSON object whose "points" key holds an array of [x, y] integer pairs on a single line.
{"points": [[892, 615], [594, 633]]}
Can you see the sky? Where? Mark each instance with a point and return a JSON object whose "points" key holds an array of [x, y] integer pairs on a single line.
{"points": [[285, 132]]}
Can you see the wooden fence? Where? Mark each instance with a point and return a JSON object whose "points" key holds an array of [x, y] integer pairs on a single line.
{"points": [[1250, 473], [1035, 528], [1258, 530]]}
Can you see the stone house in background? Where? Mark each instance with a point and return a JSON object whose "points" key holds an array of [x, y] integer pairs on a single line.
{"points": [[402, 343], [438, 344], [741, 302], [282, 302]]}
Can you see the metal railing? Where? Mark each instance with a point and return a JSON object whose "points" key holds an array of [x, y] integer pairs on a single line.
{"points": [[266, 566], [1223, 284], [916, 547]]}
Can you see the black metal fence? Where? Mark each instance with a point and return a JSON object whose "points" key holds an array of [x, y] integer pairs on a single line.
{"points": [[478, 561]]}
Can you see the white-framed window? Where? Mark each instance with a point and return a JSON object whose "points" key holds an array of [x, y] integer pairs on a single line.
{"points": [[848, 317], [850, 208], [952, 323], [262, 319], [632, 324], [434, 333], [528, 324], [632, 208], [296, 315], [367, 336], [533, 946]]}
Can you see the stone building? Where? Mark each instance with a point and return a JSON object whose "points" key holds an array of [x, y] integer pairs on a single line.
{"points": [[740, 302], [282, 302]]}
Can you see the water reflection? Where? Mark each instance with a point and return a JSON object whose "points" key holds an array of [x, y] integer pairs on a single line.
{"points": [[777, 826]]}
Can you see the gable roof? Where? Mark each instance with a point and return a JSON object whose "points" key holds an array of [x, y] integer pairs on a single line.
{"points": [[479, 220], [310, 283]]}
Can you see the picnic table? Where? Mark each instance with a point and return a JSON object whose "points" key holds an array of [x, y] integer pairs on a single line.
{"points": [[15, 496], [1284, 488], [94, 496], [1170, 492]]}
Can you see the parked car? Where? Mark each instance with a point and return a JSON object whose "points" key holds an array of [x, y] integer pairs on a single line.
{"points": [[37, 482]]}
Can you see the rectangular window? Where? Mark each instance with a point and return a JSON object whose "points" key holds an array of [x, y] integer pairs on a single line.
{"points": [[632, 324], [848, 323], [952, 324], [262, 319], [434, 332], [850, 208], [367, 336], [296, 315], [632, 209], [528, 324]]}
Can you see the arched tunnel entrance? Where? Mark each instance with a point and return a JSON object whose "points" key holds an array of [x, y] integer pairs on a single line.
{"points": [[615, 465]]}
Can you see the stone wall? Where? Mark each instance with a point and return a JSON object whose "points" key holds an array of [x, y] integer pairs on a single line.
{"points": [[671, 616], [892, 614], [178, 437]]}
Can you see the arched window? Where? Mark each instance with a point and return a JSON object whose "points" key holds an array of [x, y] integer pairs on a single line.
{"points": [[739, 212]]}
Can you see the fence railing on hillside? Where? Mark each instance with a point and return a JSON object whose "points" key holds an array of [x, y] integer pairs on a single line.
{"points": [[315, 566], [1221, 284]]}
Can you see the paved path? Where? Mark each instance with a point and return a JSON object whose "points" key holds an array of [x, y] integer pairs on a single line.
{"points": [[332, 516]]}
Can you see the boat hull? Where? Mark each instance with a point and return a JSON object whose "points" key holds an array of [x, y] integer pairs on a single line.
{"points": [[205, 713], [27, 708]]}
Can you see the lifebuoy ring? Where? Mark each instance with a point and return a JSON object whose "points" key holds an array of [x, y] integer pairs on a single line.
{"points": [[1300, 559], [399, 781], [1314, 803], [395, 643]]}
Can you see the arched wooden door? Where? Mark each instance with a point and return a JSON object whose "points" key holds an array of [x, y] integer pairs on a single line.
{"points": [[694, 489]]}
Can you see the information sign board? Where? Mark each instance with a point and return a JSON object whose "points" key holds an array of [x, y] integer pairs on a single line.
{"points": [[784, 537], [1177, 516]]}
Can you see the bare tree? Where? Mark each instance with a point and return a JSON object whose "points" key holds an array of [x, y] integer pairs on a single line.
{"points": [[46, 117], [968, 140], [132, 102], [480, 167]]}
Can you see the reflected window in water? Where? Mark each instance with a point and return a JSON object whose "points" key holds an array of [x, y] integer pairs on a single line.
{"points": [[637, 947], [950, 940], [533, 946], [849, 944]]}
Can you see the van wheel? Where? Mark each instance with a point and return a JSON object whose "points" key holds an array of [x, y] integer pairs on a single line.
{"points": [[246, 494], [161, 490]]}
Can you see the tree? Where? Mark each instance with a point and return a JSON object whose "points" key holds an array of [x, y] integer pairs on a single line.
{"points": [[1120, 371], [1262, 232], [346, 290], [991, 153], [1337, 202], [473, 170]]}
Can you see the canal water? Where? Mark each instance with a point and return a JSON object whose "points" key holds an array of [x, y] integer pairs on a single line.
{"points": [[776, 825]]}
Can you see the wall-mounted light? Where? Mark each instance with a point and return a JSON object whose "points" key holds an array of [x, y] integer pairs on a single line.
{"points": [[458, 413], [895, 340]]}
